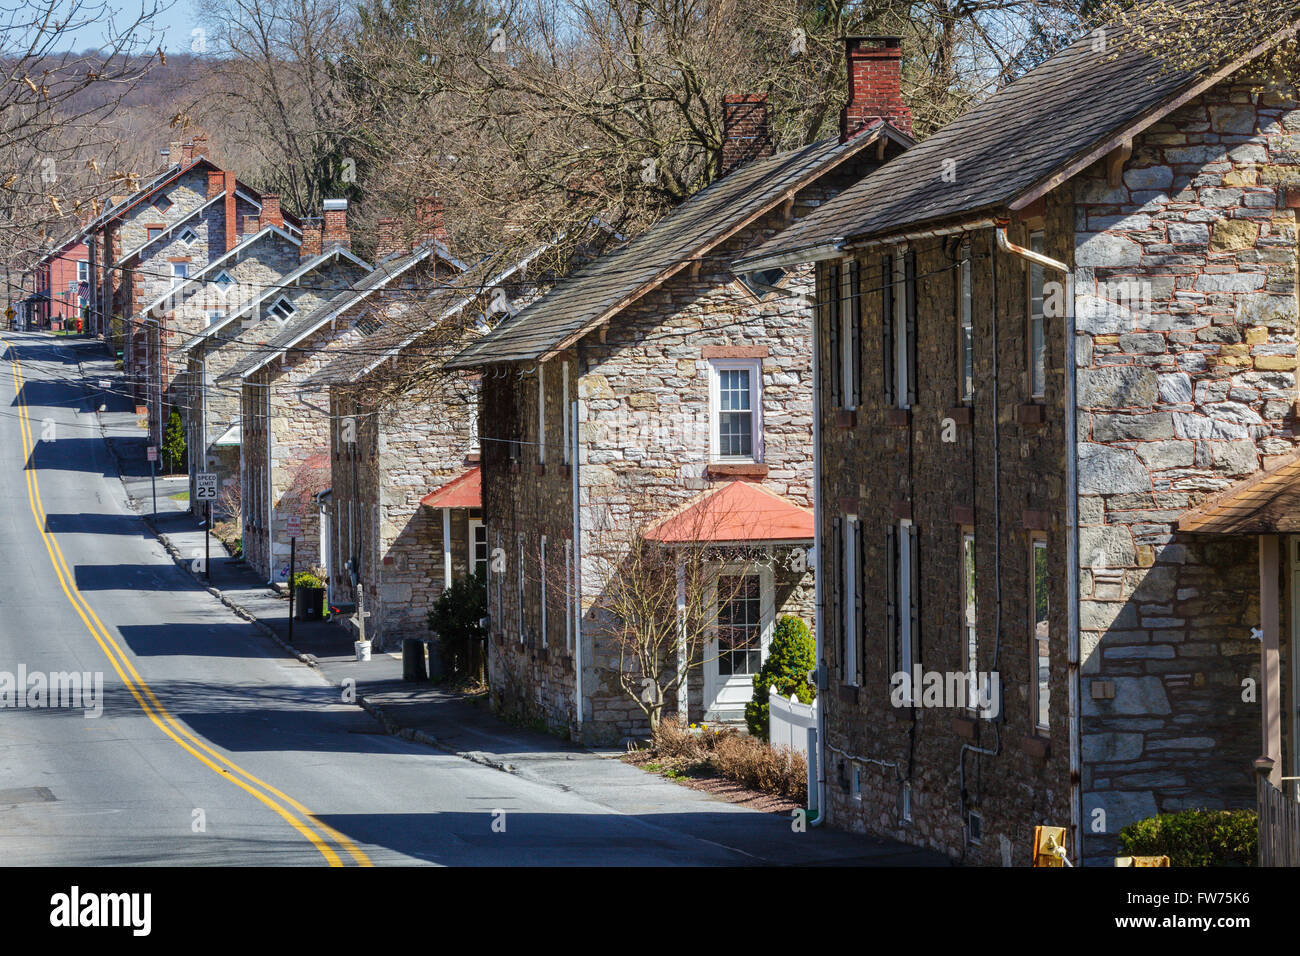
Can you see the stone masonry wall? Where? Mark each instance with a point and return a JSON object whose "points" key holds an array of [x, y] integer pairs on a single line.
{"points": [[1186, 385]]}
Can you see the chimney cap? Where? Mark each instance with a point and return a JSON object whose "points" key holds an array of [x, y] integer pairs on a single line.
{"points": [[333, 205], [885, 39]]}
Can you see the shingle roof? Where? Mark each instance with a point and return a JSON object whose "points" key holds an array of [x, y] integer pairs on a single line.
{"points": [[298, 329], [1036, 131], [736, 511], [1267, 502], [603, 287]]}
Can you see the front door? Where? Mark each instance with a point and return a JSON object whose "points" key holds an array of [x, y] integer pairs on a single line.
{"points": [[744, 624]]}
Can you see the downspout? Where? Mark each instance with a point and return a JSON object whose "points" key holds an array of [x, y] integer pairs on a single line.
{"points": [[1071, 541], [577, 556], [818, 597]]}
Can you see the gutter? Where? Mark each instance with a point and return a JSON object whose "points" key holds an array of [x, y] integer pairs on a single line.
{"points": [[1071, 541]]}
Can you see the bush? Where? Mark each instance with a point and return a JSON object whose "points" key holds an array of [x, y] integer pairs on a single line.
{"points": [[757, 765], [456, 620], [306, 579], [1195, 837], [174, 442], [792, 655]]}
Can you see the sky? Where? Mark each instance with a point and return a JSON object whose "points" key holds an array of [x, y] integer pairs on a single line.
{"points": [[172, 26]]}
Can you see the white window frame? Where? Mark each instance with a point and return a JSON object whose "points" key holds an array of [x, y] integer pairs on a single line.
{"points": [[216, 281], [473, 525], [1036, 544], [83, 271], [969, 617], [541, 413], [214, 316], [568, 595], [566, 410], [179, 278], [965, 326], [902, 347], [904, 583], [293, 309], [849, 532], [193, 236], [541, 549], [519, 539], [844, 308], [1037, 358], [755, 368]]}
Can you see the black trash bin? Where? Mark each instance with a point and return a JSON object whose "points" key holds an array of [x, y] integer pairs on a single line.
{"points": [[413, 660], [309, 603]]}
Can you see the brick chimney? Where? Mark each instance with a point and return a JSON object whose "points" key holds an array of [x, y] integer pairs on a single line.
{"points": [[251, 225], [428, 217], [311, 238], [200, 146], [216, 183], [388, 238], [271, 214], [745, 132], [875, 85], [334, 235]]}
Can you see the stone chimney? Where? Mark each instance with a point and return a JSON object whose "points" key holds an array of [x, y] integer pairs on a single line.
{"points": [[271, 214], [334, 235], [745, 132], [388, 238], [428, 217], [311, 238], [875, 85]]}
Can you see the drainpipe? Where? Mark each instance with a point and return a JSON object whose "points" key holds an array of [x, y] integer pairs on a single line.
{"points": [[819, 646], [577, 551], [1071, 540]]}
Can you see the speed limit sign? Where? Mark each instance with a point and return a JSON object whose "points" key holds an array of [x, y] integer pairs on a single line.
{"points": [[205, 486]]}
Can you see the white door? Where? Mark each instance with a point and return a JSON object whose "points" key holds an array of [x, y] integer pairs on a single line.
{"points": [[327, 553], [744, 616]]}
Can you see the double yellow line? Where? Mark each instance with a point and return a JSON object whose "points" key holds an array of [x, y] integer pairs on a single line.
{"points": [[293, 812]]}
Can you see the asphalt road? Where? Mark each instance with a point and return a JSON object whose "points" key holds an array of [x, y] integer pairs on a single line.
{"points": [[213, 747]]}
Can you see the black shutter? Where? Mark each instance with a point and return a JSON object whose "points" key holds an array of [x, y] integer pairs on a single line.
{"points": [[909, 285], [855, 317], [914, 553], [837, 576], [887, 326], [830, 298], [891, 598], [860, 590]]}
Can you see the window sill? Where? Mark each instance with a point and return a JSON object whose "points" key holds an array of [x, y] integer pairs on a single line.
{"points": [[1031, 414], [737, 469], [961, 414], [899, 417]]}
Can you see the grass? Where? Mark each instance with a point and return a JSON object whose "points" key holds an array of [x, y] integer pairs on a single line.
{"points": [[180, 496]]}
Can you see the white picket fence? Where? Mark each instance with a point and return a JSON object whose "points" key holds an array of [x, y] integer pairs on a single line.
{"points": [[790, 722]]}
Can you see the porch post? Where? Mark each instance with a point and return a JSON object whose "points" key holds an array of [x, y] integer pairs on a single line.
{"points": [[446, 548], [683, 695], [1270, 694]]}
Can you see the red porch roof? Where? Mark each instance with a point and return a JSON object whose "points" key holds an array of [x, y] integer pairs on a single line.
{"points": [[738, 511], [463, 491]]}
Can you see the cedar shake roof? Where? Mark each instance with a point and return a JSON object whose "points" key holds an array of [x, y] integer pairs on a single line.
{"points": [[1266, 502], [602, 288], [463, 491], [1015, 146], [739, 511]]}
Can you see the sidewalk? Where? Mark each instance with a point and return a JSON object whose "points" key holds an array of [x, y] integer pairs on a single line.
{"points": [[454, 723]]}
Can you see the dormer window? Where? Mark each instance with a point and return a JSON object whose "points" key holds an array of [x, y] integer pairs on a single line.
{"points": [[282, 309], [764, 282], [223, 281], [368, 324], [162, 204], [188, 236]]}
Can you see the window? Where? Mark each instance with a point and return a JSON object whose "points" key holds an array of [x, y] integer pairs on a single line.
{"points": [[1037, 343], [970, 646], [152, 232], [852, 605], [857, 782], [180, 270], [542, 554], [500, 583], [736, 431], [541, 414], [740, 625], [904, 358], [763, 282], [520, 543], [568, 595], [566, 410], [478, 548], [282, 309], [215, 316], [905, 803], [223, 281], [1039, 657], [965, 331], [83, 271], [162, 204], [188, 236], [849, 315], [368, 324], [903, 617]]}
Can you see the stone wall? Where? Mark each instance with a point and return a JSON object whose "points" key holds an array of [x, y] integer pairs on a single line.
{"points": [[1185, 299]]}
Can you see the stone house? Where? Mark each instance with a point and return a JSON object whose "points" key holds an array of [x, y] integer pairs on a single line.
{"points": [[1045, 335], [241, 298], [405, 506], [648, 401], [285, 417]]}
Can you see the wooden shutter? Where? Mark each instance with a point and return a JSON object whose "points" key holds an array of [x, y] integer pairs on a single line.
{"points": [[855, 319], [837, 576], [887, 326], [909, 286], [914, 554], [891, 598], [860, 590], [830, 297]]}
